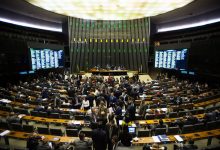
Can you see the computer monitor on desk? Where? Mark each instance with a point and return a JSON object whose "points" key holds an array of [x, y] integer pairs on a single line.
{"points": [[132, 131]]}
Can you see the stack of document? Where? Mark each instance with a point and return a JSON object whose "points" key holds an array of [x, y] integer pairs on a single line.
{"points": [[163, 138]]}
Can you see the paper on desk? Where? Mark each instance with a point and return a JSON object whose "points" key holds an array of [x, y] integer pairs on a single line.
{"points": [[5, 101], [178, 138], [4, 132], [21, 116], [76, 122], [156, 139]]}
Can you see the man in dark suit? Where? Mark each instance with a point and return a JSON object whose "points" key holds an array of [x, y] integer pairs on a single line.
{"points": [[111, 131], [99, 138]]}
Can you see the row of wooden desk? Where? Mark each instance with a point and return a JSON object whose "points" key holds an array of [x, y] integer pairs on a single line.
{"points": [[81, 122], [140, 141]]}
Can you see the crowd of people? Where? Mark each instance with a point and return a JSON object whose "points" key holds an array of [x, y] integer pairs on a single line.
{"points": [[106, 101]]}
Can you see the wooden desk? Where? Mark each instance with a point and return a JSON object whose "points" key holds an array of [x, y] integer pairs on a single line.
{"points": [[166, 120], [141, 141], [109, 72], [208, 102], [192, 136]]}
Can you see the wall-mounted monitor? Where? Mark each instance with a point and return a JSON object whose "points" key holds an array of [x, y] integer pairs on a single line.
{"points": [[46, 58], [171, 59]]}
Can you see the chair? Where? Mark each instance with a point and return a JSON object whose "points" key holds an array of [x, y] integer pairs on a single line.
{"points": [[150, 117], [28, 128], [65, 116], [72, 132], [138, 117], [16, 127], [194, 111], [160, 131], [55, 115], [212, 125], [198, 127], [34, 113], [57, 132], [4, 125], [200, 111], [88, 133], [187, 129], [173, 115], [160, 116], [42, 130], [182, 113], [163, 105], [143, 133], [24, 111], [79, 117], [42, 114], [173, 130], [16, 110]]}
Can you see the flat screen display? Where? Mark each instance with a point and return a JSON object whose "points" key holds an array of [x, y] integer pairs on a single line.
{"points": [[131, 129], [46, 58], [171, 59]]}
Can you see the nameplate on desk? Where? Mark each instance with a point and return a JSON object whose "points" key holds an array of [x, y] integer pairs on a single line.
{"points": [[4, 132], [178, 138], [156, 139]]}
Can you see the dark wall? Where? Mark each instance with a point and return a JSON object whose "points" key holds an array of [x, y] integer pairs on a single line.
{"points": [[204, 45], [109, 42], [204, 57], [15, 42]]}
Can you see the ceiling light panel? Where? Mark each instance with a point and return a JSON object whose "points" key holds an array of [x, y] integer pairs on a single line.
{"points": [[110, 9]]}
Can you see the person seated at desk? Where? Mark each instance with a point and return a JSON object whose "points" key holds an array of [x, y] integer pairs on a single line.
{"points": [[33, 141], [13, 118], [85, 104], [82, 143], [44, 144], [39, 107], [191, 119]]}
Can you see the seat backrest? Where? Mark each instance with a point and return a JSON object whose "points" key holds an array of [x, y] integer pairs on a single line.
{"points": [[43, 130], [199, 127], [55, 115], [182, 113], [42, 114], [187, 129], [212, 125], [57, 132], [160, 131], [143, 133], [79, 117], [72, 132], [16, 127], [88, 133], [34, 113], [150, 117], [4, 125], [65, 116], [161, 116], [28, 128], [173, 130], [173, 115]]}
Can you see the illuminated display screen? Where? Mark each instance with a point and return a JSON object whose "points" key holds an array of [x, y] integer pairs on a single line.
{"points": [[110, 9], [46, 58], [171, 59]]}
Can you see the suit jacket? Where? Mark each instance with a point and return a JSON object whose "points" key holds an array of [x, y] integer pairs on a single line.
{"points": [[111, 130], [99, 138]]}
